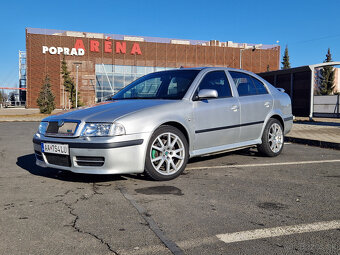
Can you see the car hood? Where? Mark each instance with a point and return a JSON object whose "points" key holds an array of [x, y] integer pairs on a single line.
{"points": [[108, 111]]}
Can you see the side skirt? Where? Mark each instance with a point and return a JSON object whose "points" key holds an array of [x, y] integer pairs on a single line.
{"points": [[224, 148]]}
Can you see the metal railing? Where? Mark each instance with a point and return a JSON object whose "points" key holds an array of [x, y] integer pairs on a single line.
{"points": [[326, 106]]}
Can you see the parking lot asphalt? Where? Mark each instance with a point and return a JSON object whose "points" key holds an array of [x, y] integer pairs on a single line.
{"points": [[231, 203]]}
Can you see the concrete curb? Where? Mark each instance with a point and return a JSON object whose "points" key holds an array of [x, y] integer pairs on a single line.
{"points": [[321, 144]]}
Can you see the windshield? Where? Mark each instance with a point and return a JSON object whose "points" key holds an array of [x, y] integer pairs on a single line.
{"points": [[161, 85]]}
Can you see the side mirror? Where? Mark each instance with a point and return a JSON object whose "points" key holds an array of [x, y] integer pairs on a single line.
{"points": [[281, 90], [207, 93]]}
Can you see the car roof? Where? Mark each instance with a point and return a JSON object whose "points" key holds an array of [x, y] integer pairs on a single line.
{"points": [[208, 67], [211, 68]]}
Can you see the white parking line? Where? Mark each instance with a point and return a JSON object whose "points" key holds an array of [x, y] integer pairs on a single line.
{"points": [[268, 164], [279, 231], [241, 236]]}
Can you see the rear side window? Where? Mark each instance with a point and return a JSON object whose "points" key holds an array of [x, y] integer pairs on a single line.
{"points": [[247, 85], [261, 89], [218, 81]]}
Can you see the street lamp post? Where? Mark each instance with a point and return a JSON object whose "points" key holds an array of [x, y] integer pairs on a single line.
{"points": [[77, 67], [63, 97], [241, 57]]}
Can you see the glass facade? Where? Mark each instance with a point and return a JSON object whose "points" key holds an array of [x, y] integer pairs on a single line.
{"points": [[112, 78], [22, 75]]}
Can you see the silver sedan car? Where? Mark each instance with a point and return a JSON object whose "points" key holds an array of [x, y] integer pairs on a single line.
{"points": [[155, 124]]}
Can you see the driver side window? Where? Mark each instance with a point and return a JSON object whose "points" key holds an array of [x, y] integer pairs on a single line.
{"points": [[218, 81]]}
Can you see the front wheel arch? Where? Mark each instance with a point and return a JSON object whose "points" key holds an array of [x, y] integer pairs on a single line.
{"points": [[180, 127]]}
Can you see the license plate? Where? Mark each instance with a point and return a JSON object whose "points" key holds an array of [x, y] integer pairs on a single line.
{"points": [[55, 148]]}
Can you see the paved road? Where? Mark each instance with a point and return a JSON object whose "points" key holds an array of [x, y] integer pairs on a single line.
{"points": [[45, 211]]}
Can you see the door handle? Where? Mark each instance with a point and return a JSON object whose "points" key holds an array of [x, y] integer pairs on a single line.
{"points": [[267, 104], [234, 108]]}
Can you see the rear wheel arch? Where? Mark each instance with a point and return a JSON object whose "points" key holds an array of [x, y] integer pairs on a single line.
{"points": [[272, 115], [279, 118], [272, 139]]}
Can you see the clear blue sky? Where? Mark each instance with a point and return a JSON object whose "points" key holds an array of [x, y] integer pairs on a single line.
{"points": [[308, 27]]}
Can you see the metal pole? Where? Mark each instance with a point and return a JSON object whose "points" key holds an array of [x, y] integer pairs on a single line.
{"points": [[63, 95], [311, 109], [77, 87], [77, 66], [337, 106], [291, 86], [107, 77], [241, 58]]}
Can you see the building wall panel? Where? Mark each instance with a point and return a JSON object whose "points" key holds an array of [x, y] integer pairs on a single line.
{"points": [[153, 54]]}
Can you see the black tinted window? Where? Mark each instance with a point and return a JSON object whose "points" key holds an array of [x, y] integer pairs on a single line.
{"points": [[244, 84], [247, 85], [261, 89], [218, 81]]}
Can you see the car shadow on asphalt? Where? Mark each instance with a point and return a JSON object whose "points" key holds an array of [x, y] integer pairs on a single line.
{"points": [[27, 162]]}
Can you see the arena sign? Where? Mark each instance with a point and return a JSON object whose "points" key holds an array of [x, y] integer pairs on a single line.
{"points": [[79, 48]]}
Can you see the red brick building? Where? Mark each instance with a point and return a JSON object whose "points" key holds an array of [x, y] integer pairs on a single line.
{"points": [[106, 62]]}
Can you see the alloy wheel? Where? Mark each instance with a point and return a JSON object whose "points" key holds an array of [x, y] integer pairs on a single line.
{"points": [[167, 153], [275, 138]]}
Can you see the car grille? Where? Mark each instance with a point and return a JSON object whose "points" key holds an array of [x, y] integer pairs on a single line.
{"points": [[66, 129], [59, 160], [90, 161]]}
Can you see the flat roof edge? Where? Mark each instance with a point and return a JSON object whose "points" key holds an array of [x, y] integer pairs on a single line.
{"points": [[43, 31], [301, 68]]}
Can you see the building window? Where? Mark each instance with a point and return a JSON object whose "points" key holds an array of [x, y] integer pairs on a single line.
{"points": [[112, 78]]}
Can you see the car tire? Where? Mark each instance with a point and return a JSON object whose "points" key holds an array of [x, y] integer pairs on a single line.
{"points": [[272, 139], [166, 160]]}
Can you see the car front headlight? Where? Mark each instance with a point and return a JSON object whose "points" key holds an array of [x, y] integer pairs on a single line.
{"points": [[42, 128], [118, 129], [103, 129]]}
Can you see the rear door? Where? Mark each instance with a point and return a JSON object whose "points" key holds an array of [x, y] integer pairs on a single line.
{"points": [[255, 104], [216, 120]]}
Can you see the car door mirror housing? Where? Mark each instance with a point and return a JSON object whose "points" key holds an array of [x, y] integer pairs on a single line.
{"points": [[207, 93]]}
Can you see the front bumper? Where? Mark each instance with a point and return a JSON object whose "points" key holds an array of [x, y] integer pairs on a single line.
{"points": [[97, 155]]}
